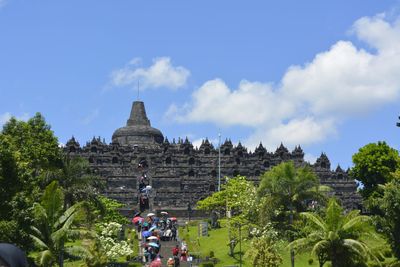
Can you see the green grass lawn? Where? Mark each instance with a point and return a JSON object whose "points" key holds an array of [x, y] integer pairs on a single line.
{"points": [[218, 239]]}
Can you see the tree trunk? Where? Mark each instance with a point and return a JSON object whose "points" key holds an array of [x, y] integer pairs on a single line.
{"points": [[334, 259], [61, 256], [232, 245], [291, 223]]}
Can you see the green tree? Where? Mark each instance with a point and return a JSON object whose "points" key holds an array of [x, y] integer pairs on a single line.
{"points": [[373, 165], [53, 226], [237, 200], [35, 144], [76, 180], [337, 237], [390, 205], [236, 196], [289, 189], [26, 150]]}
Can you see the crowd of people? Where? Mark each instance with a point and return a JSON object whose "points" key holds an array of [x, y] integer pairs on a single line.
{"points": [[153, 230]]}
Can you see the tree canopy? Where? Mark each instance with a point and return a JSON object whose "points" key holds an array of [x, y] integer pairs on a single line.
{"points": [[373, 165], [390, 205], [236, 196], [288, 188], [27, 149]]}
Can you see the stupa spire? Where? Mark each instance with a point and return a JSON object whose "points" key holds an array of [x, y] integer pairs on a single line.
{"points": [[138, 115]]}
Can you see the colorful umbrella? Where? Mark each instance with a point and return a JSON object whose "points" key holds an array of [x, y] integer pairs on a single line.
{"points": [[136, 220], [146, 233], [152, 244], [152, 228], [150, 214]]}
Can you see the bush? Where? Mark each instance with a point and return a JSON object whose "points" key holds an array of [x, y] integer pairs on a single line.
{"points": [[310, 261], [207, 264], [211, 254], [387, 253]]}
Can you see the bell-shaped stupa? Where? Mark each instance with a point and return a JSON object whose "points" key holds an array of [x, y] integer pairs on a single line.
{"points": [[138, 130]]}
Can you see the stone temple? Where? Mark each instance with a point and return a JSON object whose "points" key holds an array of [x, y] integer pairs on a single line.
{"points": [[180, 174]]}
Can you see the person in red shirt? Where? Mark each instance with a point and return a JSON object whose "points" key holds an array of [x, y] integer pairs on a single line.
{"points": [[175, 250]]}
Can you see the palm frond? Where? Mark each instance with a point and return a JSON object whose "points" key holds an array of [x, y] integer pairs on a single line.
{"points": [[356, 221], [37, 232], [77, 251], [320, 246], [356, 246], [315, 219], [45, 258], [39, 242], [63, 231], [67, 214]]}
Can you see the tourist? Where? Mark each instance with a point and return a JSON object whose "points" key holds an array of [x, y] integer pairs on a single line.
{"points": [[175, 251], [156, 262], [170, 262], [184, 254], [174, 232], [177, 263]]}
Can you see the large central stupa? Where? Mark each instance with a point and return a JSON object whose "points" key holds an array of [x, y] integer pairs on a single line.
{"points": [[138, 130]]}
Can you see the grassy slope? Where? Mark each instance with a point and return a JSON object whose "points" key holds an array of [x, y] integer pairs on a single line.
{"points": [[217, 242]]}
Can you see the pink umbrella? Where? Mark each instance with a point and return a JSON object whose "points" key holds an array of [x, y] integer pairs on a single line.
{"points": [[137, 219]]}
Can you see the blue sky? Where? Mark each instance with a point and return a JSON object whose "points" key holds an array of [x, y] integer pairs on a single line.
{"points": [[322, 74]]}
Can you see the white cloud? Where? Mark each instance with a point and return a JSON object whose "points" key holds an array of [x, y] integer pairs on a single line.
{"points": [[310, 158], [160, 74], [197, 142], [294, 132], [311, 100], [5, 117], [249, 105]]}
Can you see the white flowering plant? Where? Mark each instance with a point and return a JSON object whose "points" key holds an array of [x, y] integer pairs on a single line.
{"points": [[109, 243]]}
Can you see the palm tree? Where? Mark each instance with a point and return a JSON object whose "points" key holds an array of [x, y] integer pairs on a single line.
{"points": [[290, 188], [76, 180], [52, 226], [337, 237]]}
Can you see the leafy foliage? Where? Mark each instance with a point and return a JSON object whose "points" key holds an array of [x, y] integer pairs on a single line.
{"points": [[236, 196], [76, 180], [336, 237], [26, 150], [53, 226], [390, 205], [111, 211], [264, 252], [236, 199], [373, 165], [286, 188]]}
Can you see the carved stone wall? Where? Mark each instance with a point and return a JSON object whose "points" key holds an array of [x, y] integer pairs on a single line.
{"points": [[181, 174]]}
